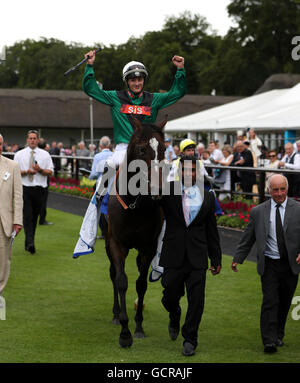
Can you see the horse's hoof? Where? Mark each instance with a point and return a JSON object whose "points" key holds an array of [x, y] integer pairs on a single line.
{"points": [[125, 342], [115, 321], [125, 339], [139, 334]]}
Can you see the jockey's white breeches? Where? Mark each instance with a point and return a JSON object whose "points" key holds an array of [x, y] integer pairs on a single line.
{"points": [[118, 155]]}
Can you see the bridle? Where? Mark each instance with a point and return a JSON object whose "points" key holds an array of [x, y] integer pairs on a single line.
{"points": [[153, 142]]}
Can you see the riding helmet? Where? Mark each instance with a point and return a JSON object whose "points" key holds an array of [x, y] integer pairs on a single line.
{"points": [[187, 143], [134, 69]]}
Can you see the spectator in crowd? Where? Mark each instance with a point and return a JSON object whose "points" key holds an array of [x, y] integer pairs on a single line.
{"points": [[54, 151], [281, 152], [98, 167], [297, 148], [274, 226], [235, 179], [247, 146], [205, 157], [291, 160], [82, 151], [245, 159], [206, 161], [11, 205], [200, 150], [100, 158], [241, 136], [73, 162], [62, 152], [92, 149], [273, 164], [228, 158], [215, 153], [15, 148], [36, 165], [263, 159], [169, 152], [176, 150], [255, 144]]}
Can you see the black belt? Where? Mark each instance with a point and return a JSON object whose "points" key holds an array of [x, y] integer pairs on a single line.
{"points": [[33, 187]]}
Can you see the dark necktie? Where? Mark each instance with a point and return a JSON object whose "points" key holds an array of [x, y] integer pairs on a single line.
{"points": [[279, 234]]}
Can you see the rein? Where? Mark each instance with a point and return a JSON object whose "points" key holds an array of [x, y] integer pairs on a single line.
{"points": [[123, 204]]}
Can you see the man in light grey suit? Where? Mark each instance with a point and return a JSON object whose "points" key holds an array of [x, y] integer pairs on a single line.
{"points": [[275, 227]]}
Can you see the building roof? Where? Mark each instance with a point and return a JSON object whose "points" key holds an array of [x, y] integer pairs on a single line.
{"points": [[70, 109], [277, 109]]}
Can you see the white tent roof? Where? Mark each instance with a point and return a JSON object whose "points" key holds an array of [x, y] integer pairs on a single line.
{"points": [[276, 109]]}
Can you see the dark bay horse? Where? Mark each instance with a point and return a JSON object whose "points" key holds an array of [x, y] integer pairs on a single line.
{"points": [[134, 221]]}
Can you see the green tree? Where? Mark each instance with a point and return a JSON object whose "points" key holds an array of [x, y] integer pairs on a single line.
{"points": [[260, 42]]}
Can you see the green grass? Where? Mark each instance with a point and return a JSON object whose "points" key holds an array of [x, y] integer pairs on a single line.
{"points": [[60, 309]]}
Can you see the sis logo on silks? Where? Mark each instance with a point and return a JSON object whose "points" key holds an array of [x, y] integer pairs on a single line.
{"points": [[136, 109]]}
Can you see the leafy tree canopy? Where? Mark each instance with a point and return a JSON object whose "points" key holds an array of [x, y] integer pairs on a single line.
{"points": [[258, 46]]}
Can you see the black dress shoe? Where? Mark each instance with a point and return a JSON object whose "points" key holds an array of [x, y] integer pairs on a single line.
{"points": [[30, 248], [188, 349], [173, 332], [270, 348], [46, 223]]}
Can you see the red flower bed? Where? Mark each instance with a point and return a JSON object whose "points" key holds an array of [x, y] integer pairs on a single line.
{"points": [[64, 181], [235, 214]]}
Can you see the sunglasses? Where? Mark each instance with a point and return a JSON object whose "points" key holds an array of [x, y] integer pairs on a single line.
{"points": [[272, 155]]}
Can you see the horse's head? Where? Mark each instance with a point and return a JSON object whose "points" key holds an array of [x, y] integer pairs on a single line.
{"points": [[146, 151]]}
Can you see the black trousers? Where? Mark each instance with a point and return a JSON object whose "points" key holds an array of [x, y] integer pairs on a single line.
{"points": [[43, 211], [278, 288], [247, 182], [33, 198], [174, 281]]}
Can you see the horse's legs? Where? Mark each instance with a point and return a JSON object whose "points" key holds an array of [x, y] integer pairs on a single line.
{"points": [[118, 255], [143, 262], [112, 272], [116, 306]]}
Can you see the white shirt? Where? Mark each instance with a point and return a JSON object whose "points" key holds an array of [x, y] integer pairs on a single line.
{"points": [[271, 246], [217, 155], [43, 159], [295, 165], [254, 144]]}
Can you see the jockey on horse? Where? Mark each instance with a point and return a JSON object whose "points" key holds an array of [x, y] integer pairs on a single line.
{"points": [[124, 104], [134, 101]]}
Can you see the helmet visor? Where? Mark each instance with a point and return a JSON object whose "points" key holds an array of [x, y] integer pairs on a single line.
{"points": [[135, 71]]}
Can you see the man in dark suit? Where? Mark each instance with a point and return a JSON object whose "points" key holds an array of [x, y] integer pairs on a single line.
{"points": [[191, 237], [274, 226], [245, 159]]}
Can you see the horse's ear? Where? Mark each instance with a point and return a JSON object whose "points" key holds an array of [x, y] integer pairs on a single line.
{"points": [[136, 123], [163, 123]]}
